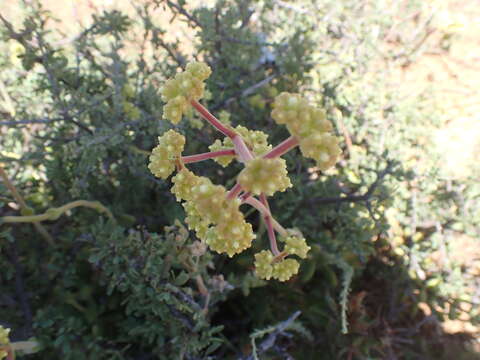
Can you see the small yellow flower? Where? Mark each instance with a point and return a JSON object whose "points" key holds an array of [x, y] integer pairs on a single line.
{"points": [[263, 264], [184, 87], [310, 125], [265, 176], [323, 148], [184, 182], [163, 157], [296, 245], [285, 269], [215, 219]]}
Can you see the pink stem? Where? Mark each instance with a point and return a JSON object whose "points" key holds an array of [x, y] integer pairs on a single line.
{"points": [[213, 120], [282, 148], [245, 196], [10, 353], [243, 152], [206, 156], [232, 194], [265, 212], [271, 236], [268, 221]]}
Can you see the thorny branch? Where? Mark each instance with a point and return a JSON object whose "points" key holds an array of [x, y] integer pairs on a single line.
{"points": [[244, 92], [356, 198], [269, 342], [185, 13], [26, 122], [20, 37]]}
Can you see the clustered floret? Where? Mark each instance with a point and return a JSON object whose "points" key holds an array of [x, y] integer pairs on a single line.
{"points": [[263, 264], [211, 211], [265, 176], [266, 267], [168, 151], [310, 125], [184, 183], [323, 148], [215, 219], [195, 221], [296, 245], [280, 268], [4, 341], [285, 269], [185, 87]]}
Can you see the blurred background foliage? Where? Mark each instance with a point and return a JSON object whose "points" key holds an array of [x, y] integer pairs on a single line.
{"points": [[394, 234]]}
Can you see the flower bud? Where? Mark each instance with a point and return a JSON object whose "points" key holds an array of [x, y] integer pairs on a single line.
{"points": [[163, 157]]}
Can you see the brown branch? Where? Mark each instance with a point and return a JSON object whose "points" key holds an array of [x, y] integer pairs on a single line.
{"points": [[26, 122], [183, 12]]}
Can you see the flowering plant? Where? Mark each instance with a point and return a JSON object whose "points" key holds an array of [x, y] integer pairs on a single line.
{"points": [[212, 211]]}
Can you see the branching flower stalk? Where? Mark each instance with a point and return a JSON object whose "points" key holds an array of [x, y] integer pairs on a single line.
{"points": [[206, 156], [212, 211], [282, 148]]}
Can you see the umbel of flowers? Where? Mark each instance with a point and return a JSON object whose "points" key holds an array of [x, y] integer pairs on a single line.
{"points": [[213, 212]]}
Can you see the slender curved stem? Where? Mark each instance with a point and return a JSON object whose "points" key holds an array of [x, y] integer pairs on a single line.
{"points": [[245, 196], [234, 191], [242, 150], [271, 236], [265, 212], [54, 213], [268, 221], [282, 148], [205, 156], [213, 120]]}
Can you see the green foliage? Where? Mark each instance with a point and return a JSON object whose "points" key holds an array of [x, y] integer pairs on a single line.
{"points": [[145, 297], [83, 116]]}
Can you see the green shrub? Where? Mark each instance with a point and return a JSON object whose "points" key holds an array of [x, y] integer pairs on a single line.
{"points": [[141, 286]]}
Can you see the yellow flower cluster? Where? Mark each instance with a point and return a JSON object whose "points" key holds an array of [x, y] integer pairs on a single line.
{"points": [[265, 176], [310, 125], [266, 269], [215, 219], [163, 157], [323, 148], [184, 182], [186, 86], [195, 221], [263, 264], [4, 341], [296, 245], [285, 269], [211, 213], [256, 140]]}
